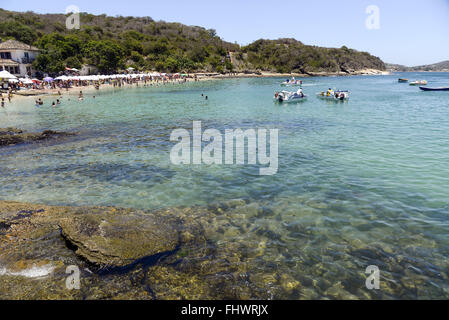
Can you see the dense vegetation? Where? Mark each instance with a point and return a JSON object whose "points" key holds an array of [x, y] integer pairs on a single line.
{"points": [[114, 43], [289, 55]]}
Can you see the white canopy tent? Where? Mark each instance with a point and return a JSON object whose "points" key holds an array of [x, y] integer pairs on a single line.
{"points": [[6, 75]]}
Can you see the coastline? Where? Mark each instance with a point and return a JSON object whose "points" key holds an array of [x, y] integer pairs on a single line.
{"points": [[41, 93]]}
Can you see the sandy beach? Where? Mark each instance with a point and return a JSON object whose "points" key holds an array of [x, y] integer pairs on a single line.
{"points": [[75, 90]]}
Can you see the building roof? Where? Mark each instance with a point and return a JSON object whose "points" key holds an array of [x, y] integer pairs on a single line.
{"points": [[16, 45], [8, 62]]}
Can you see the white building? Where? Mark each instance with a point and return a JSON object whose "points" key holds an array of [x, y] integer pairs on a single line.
{"points": [[16, 58]]}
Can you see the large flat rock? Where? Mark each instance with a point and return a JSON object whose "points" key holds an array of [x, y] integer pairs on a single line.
{"points": [[110, 239]]}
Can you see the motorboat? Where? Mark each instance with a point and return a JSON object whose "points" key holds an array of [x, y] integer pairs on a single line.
{"points": [[434, 89], [402, 80], [336, 95], [292, 83], [288, 96], [419, 83]]}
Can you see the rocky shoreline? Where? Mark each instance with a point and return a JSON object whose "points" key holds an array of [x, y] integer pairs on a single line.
{"points": [[168, 250], [189, 253]]}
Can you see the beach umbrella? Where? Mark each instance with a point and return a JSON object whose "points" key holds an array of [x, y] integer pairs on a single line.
{"points": [[26, 81], [62, 78], [6, 75], [48, 79], [13, 80]]}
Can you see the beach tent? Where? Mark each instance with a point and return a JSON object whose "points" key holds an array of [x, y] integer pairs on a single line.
{"points": [[6, 75]]}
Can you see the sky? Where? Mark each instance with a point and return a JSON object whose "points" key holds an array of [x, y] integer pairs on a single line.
{"points": [[411, 33]]}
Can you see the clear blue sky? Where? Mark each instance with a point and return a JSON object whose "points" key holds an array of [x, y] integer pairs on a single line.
{"points": [[411, 32]]}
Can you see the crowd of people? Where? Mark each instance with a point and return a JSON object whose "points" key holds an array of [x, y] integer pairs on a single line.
{"points": [[55, 86]]}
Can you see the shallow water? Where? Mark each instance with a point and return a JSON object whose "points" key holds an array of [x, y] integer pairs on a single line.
{"points": [[359, 183]]}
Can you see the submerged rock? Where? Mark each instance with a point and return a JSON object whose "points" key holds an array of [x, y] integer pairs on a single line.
{"points": [[12, 136], [117, 239]]}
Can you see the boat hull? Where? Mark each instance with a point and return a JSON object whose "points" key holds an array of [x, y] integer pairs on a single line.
{"points": [[291, 100], [434, 89], [290, 84]]}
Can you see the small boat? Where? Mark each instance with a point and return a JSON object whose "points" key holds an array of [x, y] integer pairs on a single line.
{"points": [[287, 96], [338, 95], [434, 89], [419, 83], [402, 80], [296, 83]]}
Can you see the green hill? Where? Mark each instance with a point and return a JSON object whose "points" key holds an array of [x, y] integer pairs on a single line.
{"points": [[290, 55], [114, 43]]}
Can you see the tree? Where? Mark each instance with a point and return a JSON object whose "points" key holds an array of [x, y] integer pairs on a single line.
{"points": [[105, 54], [18, 31]]}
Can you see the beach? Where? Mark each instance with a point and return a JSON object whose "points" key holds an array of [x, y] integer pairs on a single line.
{"points": [[74, 90]]}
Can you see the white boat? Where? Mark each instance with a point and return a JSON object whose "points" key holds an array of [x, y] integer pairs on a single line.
{"points": [[336, 95], [418, 83], [288, 96], [296, 83]]}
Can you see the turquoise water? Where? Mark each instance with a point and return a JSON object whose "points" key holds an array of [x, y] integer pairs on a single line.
{"points": [[359, 183]]}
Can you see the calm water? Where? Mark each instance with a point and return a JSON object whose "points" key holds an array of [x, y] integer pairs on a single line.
{"points": [[359, 183]]}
